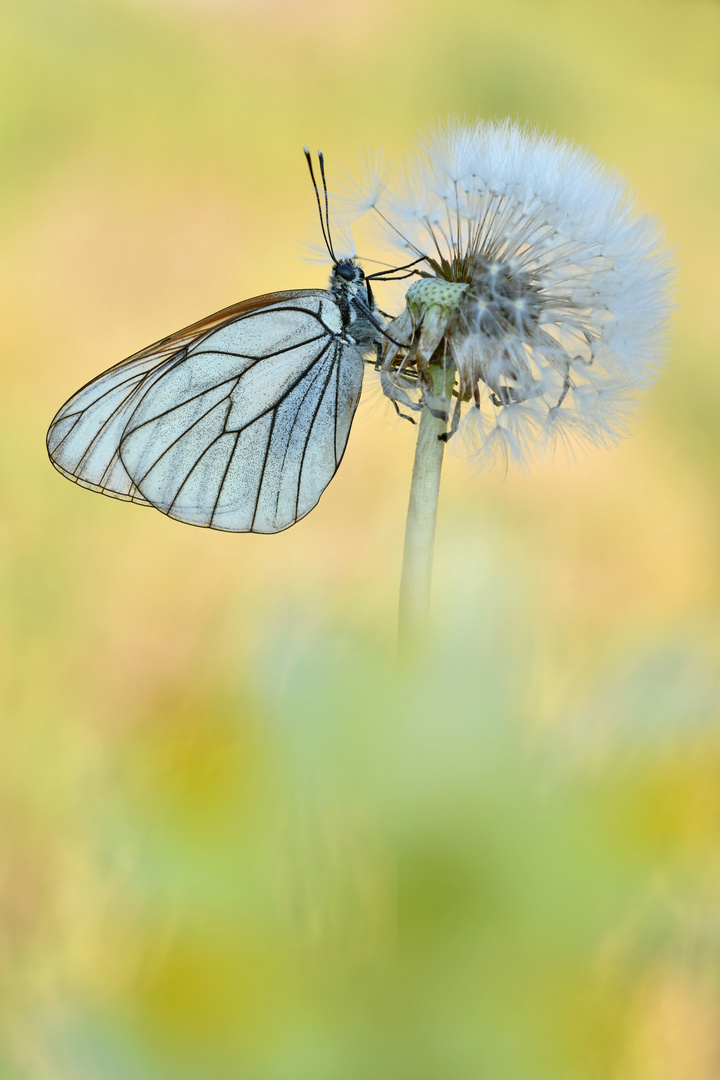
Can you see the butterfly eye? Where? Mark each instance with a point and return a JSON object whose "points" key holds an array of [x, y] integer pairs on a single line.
{"points": [[347, 271]]}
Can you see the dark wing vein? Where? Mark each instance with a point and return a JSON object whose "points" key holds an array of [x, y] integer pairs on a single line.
{"points": [[194, 466], [289, 389], [236, 378], [264, 464], [184, 431], [112, 415], [263, 356], [311, 425], [335, 410], [221, 485], [289, 439], [271, 409]]}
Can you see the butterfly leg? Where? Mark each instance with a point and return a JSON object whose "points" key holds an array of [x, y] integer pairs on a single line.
{"points": [[447, 435], [401, 414], [398, 396], [567, 383]]}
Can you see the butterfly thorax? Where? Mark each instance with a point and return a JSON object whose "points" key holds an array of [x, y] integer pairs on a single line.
{"points": [[357, 307]]}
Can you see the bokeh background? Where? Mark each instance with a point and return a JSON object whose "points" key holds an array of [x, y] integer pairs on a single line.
{"points": [[237, 841]]}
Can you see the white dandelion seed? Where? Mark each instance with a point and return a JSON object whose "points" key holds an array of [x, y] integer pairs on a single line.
{"points": [[543, 283]]}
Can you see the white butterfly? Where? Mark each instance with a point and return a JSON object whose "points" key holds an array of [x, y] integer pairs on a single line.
{"points": [[240, 421]]}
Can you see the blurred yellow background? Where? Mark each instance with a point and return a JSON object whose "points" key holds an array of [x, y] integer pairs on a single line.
{"points": [[236, 843]]}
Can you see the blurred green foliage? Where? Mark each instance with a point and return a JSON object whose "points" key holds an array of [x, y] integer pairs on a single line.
{"points": [[237, 840]]}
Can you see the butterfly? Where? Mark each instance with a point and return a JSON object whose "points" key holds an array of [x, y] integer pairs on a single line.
{"points": [[238, 422]]}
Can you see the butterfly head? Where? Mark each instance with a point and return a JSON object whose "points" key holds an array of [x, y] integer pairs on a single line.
{"points": [[347, 277]]}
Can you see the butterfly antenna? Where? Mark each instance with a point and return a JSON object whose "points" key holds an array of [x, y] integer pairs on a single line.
{"points": [[326, 234], [321, 159]]}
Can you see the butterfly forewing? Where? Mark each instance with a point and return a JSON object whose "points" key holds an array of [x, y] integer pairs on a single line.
{"points": [[84, 437], [238, 422], [83, 440]]}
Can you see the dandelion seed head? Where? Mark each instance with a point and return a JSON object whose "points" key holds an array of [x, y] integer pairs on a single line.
{"points": [[559, 292], [361, 186]]}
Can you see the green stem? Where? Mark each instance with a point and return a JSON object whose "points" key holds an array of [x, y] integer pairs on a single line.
{"points": [[416, 576]]}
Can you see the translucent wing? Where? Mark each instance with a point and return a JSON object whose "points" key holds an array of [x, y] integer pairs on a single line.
{"points": [[84, 437], [237, 423], [247, 429]]}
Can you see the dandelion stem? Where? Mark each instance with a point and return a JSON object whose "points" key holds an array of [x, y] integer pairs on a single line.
{"points": [[416, 576]]}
